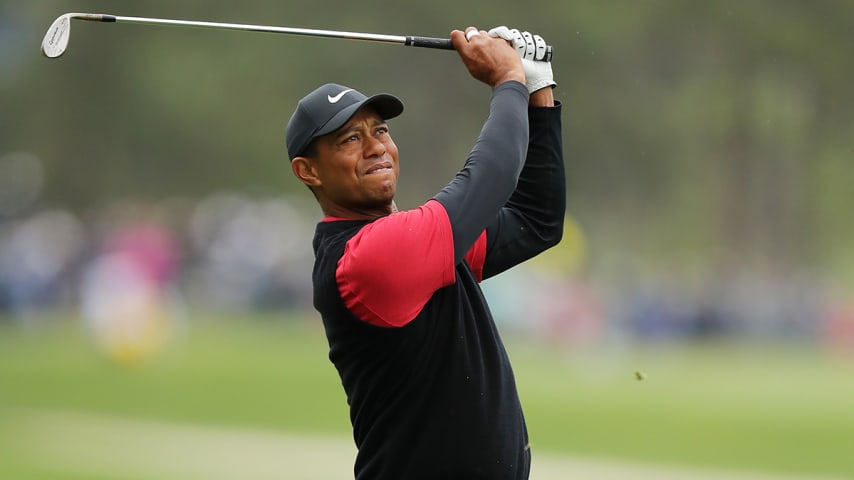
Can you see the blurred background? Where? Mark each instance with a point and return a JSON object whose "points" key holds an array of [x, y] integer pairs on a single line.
{"points": [[155, 250]]}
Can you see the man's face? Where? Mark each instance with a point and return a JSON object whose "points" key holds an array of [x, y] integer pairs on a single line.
{"points": [[356, 168]]}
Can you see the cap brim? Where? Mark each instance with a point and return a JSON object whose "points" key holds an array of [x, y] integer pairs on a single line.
{"points": [[387, 106]]}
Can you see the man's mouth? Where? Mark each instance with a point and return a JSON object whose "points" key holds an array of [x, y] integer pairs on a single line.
{"points": [[380, 168]]}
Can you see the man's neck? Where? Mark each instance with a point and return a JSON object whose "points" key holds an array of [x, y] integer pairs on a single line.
{"points": [[336, 211]]}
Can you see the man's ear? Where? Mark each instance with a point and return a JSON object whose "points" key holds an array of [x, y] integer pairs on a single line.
{"points": [[304, 170]]}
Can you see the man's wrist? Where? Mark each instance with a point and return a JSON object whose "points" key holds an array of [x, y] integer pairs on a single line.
{"points": [[512, 76], [543, 97]]}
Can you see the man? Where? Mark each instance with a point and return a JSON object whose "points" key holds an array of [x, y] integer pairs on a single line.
{"points": [[429, 384]]}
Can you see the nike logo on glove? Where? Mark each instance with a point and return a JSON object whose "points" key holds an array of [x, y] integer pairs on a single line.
{"points": [[338, 97]]}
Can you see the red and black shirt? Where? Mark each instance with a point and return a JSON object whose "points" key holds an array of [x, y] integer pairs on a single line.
{"points": [[430, 387]]}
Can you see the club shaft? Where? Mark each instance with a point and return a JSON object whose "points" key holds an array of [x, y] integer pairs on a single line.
{"points": [[427, 42]]}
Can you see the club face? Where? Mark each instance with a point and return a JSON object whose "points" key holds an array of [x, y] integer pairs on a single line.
{"points": [[56, 39]]}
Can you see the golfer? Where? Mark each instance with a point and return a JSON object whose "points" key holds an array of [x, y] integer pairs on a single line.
{"points": [[430, 387]]}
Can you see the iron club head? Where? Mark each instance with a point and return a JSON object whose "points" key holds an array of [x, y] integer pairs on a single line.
{"points": [[56, 39]]}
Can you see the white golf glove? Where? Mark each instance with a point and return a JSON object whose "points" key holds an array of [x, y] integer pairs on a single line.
{"points": [[532, 51]]}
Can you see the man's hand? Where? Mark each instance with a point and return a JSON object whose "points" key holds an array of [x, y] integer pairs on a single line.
{"points": [[532, 51], [489, 59]]}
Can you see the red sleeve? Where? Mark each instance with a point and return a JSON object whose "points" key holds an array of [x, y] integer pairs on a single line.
{"points": [[391, 268], [477, 255]]}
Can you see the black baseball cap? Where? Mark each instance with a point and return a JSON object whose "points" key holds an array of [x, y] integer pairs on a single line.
{"points": [[327, 109]]}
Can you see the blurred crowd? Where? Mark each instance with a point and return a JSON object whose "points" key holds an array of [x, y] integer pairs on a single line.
{"points": [[233, 252], [227, 251], [657, 307]]}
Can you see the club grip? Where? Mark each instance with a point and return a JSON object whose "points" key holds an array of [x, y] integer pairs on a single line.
{"points": [[445, 44]]}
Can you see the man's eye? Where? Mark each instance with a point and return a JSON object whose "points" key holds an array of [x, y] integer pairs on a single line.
{"points": [[382, 130]]}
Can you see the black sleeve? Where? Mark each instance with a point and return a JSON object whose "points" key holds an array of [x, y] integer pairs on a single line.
{"points": [[478, 192], [532, 220]]}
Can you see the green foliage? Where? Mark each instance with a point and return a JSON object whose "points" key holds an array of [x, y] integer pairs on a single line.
{"points": [[697, 128]]}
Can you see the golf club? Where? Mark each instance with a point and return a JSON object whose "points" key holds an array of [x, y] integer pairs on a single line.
{"points": [[56, 39]]}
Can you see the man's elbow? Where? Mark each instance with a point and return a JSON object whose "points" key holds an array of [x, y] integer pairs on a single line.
{"points": [[558, 236], [550, 233]]}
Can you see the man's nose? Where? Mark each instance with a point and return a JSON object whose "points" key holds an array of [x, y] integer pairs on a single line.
{"points": [[374, 147]]}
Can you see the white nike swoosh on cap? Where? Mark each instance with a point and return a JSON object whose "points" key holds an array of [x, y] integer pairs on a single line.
{"points": [[338, 97]]}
